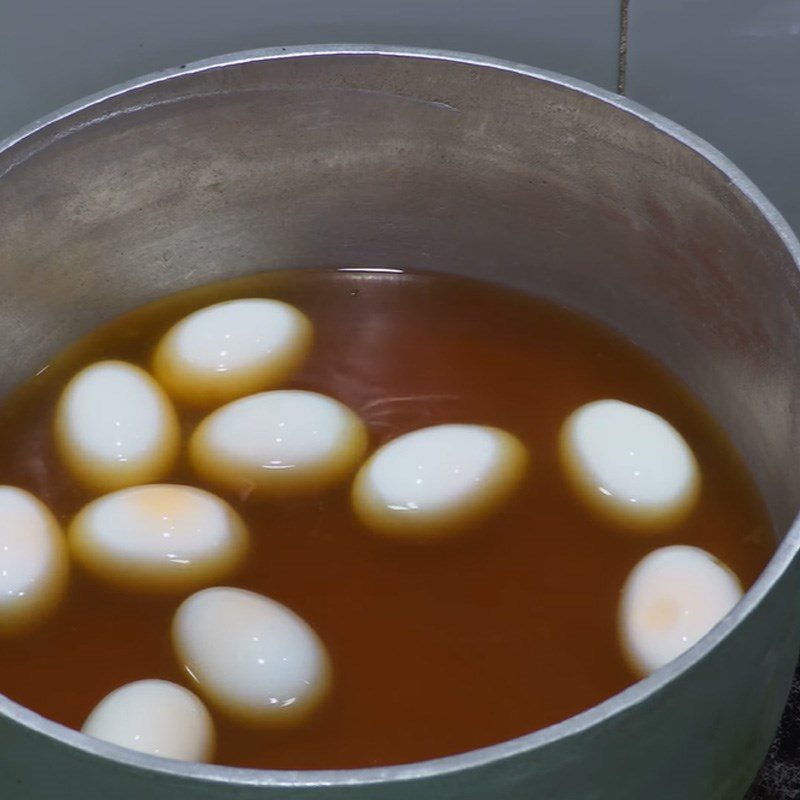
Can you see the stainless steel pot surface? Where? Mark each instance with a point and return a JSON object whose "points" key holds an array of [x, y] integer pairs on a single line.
{"points": [[365, 156]]}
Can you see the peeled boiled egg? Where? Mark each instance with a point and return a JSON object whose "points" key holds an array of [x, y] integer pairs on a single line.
{"points": [[115, 427], [438, 480], [33, 561], [251, 657], [155, 717], [232, 349], [278, 444], [159, 537], [673, 597], [630, 465]]}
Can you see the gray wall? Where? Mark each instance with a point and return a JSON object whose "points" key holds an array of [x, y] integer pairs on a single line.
{"points": [[729, 70]]}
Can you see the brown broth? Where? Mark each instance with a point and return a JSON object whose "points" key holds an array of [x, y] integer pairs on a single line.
{"points": [[437, 649]]}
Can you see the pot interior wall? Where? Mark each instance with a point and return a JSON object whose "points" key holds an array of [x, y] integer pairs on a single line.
{"points": [[375, 160]]}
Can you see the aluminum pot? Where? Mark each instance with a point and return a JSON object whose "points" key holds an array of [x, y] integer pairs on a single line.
{"points": [[365, 156]]}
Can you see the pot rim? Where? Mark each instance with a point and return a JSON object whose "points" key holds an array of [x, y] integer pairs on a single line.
{"points": [[634, 695]]}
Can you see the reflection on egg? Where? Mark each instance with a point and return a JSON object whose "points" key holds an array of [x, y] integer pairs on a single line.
{"points": [[629, 465], [232, 349], [438, 480], [251, 657], [115, 427], [159, 537], [673, 597], [155, 717], [33, 561], [278, 444]]}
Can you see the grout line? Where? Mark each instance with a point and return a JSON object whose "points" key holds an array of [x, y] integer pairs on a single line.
{"points": [[622, 62]]}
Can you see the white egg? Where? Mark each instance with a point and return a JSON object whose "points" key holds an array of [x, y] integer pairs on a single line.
{"points": [[251, 657], [155, 717], [159, 537], [673, 597], [232, 349], [115, 427], [629, 465], [278, 444], [438, 480], [33, 561]]}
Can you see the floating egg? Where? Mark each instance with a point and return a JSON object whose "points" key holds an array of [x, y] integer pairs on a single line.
{"points": [[630, 465], [159, 537], [252, 658], [33, 561], [278, 444], [155, 717], [673, 597], [115, 427], [232, 349], [438, 480]]}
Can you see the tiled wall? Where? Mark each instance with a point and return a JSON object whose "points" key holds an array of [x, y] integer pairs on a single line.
{"points": [[54, 51], [729, 70]]}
